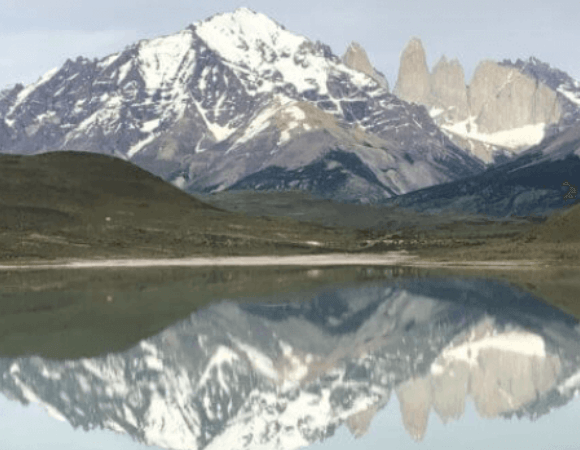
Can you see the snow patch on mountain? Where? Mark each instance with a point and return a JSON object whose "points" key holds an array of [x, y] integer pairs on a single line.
{"points": [[167, 427], [218, 131], [29, 395], [515, 138], [272, 56], [151, 125], [123, 71], [572, 383], [296, 113], [24, 93], [257, 125], [295, 118], [106, 62], [51, 375], [266, 117], [436, 112], [259, 361], [222, 355], [140, 145], [106, 117], [572, 95], [162, 59], [294, 368], [248, 38], [109, 373], [151, 358]]}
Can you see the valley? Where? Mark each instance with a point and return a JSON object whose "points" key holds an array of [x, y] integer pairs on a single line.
{"points": [[111, 209]]}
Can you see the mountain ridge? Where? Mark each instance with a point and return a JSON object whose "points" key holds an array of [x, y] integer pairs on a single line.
{"points": [[530, 184], [200, 104]]}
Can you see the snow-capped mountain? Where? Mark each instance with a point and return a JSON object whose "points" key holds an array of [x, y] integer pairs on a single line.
{"points": [[237, 100], [284, 375]]}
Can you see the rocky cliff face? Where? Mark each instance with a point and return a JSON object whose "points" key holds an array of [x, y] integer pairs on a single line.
{"points": [[413, 82], [567, 88], [506, 108], [356, 58], [448, 90], [503, 98]]}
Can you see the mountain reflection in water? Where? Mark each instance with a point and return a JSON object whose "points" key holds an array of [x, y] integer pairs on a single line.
{"points": [[286, 375]]}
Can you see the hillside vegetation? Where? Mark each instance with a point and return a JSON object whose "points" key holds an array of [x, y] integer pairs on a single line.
{"points": [[563, 226], [82, 205], [85, 206]]}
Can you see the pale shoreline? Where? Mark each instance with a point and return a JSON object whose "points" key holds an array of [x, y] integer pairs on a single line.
{"points": [[400, 258]]}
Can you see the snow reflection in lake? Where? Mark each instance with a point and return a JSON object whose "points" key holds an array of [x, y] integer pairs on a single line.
{"points": [[417, 362]]}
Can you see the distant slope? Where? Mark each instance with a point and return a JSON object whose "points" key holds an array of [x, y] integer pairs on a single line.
{"points": [[561, 227], [69, 204], [530, 184], [80, 181], [53, 190]]}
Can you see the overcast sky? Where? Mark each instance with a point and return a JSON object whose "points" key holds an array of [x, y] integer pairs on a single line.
{"points": [[37, 35]]}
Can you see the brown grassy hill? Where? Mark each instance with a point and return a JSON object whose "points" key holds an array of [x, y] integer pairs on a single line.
{"points": [[73, 204], [563, 226], [54, 189], [554, 242]]}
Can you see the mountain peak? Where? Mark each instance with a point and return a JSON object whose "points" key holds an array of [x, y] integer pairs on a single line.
{"points": [[239, 14], [241, 20], [353, 50], [244, 10], [446, 62], [354, 46], [248, 38], [414, 44], [356, 58]]}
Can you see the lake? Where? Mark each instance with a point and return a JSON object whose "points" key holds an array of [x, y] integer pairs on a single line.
{"points": [[282, 358]]}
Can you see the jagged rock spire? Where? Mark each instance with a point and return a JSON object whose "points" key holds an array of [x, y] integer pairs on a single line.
{"points": [[413, 82], [448, 88], [356, 58]]}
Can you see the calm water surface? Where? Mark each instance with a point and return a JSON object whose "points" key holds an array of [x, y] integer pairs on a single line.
{"points": [[341, 359]]}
